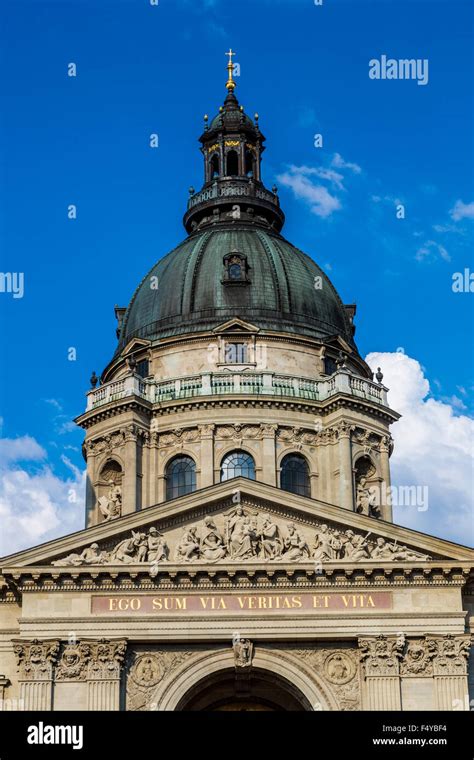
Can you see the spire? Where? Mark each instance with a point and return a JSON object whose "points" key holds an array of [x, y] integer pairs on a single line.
{"points": [[230, 84], [232, 146]]}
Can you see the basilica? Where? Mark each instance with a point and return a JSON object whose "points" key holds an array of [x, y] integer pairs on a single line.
{"points": [[239, 550]]}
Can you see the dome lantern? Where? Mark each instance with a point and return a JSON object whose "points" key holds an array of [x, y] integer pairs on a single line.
{"points": [[232, 146]]}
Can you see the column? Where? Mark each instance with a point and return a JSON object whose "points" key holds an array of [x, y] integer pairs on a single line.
{"points": [[153, 473], [103, 674], [450, 672], [91, 478], [269, 454], [386, 445], [129, 484], [36, 661], [207, 455], [346, 496], [380, 656]]}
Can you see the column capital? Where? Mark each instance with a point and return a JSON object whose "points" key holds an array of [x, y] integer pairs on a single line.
{"points": [[106, 658], [380, 655], [36, 658]]}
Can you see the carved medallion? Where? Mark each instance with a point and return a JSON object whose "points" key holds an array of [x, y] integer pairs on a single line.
{"points": [[339, 668], [147, 671]]}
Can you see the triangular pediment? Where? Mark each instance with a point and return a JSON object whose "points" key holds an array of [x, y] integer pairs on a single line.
{"points": [[239, 522], [134, 344], [337, 342], [236, 326]]}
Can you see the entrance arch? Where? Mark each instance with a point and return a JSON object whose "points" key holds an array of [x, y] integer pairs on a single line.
{"points": [[275, 683]]}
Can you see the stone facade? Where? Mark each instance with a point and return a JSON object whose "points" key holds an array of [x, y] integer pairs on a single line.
{"points": [[232, 592]]}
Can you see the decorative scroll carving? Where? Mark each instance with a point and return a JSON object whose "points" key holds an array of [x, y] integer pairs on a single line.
{"points": [[418, 660], [238, 432], [297, 436], [381, 655], [72, 665], [107, 443], [36, 658], [179, 436]]}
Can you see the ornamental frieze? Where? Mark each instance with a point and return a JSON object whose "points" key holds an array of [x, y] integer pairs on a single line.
{"points": [[244, 535]]}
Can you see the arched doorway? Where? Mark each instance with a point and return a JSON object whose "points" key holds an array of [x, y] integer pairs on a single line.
{"points": [[209, 681], [259, 690]]}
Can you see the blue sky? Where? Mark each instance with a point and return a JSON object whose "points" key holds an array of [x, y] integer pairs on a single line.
{"points": [[145, 69]]}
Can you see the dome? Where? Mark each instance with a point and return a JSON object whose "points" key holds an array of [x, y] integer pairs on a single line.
{"points": [[281, 293]]}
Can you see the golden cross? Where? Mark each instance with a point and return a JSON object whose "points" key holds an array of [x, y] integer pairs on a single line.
{"points": [[230, 84]]}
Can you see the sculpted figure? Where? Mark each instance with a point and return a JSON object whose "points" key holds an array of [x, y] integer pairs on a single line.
{"points": [[142, 547], [234, 521], [127, 551], [242, 540], [366, 501], [111, 505], [243, 651], [270, 539], [212, 543], [89, 556], [355, 547], [188, 546], [323, 545], [157, 548], [295, 545], [384, 550]]}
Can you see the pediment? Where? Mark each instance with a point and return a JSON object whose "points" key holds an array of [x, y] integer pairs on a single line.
{"points": [[134, 344], [240, 522], [337, 342], [236, 326]]}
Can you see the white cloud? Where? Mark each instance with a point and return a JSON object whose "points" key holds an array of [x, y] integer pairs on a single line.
{"points": [[433, 447], [339, 163], [320, 200], [431, 250], [20, 449], [462, 210], [35, 504]]}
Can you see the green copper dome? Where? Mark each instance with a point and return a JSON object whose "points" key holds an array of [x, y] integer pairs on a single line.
{"points": [[186, 292], [235, 263]]}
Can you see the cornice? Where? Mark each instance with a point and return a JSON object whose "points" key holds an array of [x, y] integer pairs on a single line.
{"points": [[176, 578]]}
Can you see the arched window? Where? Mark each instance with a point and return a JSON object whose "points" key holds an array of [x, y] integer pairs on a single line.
{"points": [[180, 477], [214, 166], [232, 163], [294, 475], [237, 464], [249, 163]]}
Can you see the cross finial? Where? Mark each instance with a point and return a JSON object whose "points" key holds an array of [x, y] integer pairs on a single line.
{"points": [[230, 84]]}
